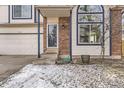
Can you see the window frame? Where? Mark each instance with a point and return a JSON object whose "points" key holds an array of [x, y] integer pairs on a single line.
{"points": [[90, 23], [89, 35], [21, 17]]}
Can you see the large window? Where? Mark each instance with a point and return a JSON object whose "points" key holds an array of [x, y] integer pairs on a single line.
{"points": [[21, 11], [90, 24]]}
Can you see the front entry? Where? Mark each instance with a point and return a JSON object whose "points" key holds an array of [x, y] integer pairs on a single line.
{"points": [[52, 36]]}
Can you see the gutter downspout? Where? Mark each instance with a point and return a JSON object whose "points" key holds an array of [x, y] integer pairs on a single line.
{"points": [[70, 35], [8, 13], [39, 33]]}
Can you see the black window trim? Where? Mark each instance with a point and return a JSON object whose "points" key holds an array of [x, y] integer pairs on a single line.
{"points": [[102, 23], [21, 17]]}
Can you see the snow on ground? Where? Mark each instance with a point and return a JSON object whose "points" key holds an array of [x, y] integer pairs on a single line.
{"points": [[68, 76]]}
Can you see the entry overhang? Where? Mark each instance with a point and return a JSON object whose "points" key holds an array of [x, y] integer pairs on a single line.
{"points": [[55, 11]]}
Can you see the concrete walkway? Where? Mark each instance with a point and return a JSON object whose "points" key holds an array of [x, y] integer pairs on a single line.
{"points": [[46, 59], [11, 64]]}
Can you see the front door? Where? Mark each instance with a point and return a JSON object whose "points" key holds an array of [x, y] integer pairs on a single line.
{"points": [[52, 35]]}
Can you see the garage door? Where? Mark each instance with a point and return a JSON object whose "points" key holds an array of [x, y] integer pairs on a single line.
{"points": [[19, 44]]}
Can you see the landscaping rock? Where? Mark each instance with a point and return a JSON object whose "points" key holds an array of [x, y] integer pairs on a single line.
{"points": [[66, 76]]}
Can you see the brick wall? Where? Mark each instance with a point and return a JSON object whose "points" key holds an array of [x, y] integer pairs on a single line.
{"points": [[64, 35], [44, 33], [116, 19]]}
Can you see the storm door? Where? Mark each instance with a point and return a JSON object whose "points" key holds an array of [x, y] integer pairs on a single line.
{"points": [[52, 35]]}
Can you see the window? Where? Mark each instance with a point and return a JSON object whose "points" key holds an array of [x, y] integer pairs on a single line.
{"points": [[21, 11], [89, 24]]}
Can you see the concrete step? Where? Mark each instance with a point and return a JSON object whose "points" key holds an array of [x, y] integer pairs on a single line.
{"points": [[46, 59], [49, 56], [51, 51]]}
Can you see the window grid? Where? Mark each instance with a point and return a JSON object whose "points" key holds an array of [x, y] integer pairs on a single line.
{"points": [[13, 17], [89, 23]]}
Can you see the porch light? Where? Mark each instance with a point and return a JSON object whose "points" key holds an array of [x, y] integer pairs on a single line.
{"points": [[63, 26]]}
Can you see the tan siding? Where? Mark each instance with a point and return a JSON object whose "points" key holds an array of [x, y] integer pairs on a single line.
{"points": [[3, 14], [52, 20], [19, 29]]}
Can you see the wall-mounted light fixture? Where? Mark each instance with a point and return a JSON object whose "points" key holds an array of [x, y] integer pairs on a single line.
{"points": [[63, 26]]}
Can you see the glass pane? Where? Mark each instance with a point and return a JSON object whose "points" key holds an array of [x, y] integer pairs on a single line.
{"points": [[90, 8], [22, 11], [26, 11], [17, 10], [95, 33], [90, 18], [52, 36], [84, 33]]}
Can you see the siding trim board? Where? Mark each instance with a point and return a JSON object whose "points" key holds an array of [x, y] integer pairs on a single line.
{"points": [[21, 17], [8, 13], [35, 15]]}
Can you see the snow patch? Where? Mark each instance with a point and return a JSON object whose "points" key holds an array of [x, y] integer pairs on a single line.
{"points": [[55, 76]]}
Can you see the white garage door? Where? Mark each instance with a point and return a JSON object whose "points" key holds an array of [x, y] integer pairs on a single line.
{"points": [[19, 44]]}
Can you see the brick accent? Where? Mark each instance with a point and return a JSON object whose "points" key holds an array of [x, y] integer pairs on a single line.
{"points": [[116, 19], [44, 33], [64, 35]]}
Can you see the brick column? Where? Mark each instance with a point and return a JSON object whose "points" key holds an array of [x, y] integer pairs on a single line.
{"points": [[64, 35], [116, 32], [44, 33]]}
